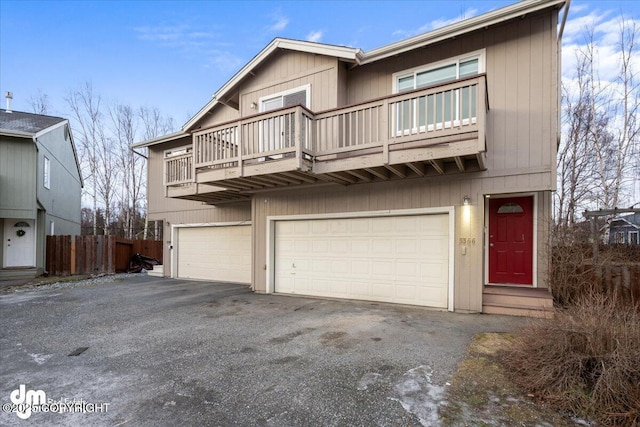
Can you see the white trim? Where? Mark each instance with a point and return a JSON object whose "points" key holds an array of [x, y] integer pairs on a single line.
{"points": [[449, 210], [16, 133], [175, 229], [46, 172], [178, 151], [534, 273], [459, 28], [345, 53], [481, 54], [306, 88], [631, 233], [50, 128]]}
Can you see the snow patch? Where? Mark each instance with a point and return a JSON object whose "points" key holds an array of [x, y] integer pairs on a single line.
{"points": [[367, 380], [418, 396], [40, 359]]}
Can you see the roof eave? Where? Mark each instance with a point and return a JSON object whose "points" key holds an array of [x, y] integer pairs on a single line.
{"points": [[16, 133], [459, 28], [344, 53], [160, 140]]}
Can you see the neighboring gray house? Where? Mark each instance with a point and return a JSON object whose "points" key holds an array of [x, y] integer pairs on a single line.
{"points": [[40, 189], [625, 230]]}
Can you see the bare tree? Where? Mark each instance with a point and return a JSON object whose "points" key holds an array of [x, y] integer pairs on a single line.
{"points": [[96, 155], [39, 103], [598, 157], [626, 97], [154, 125]]}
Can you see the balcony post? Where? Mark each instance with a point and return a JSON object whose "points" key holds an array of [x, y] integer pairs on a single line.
{"points": [[298, 135], [385, 129], [239, 144], [481, 108]]}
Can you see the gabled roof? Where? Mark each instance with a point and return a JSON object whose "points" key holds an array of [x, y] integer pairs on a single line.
{"points": [[632, 220], [28, 125], [461, 27], [19, 123], [347, 54], [358, 57]]}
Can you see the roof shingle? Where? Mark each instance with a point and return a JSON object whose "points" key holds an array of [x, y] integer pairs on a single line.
{"points": [[26, 122]]}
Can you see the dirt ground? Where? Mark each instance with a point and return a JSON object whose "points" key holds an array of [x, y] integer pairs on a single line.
{"points": [[482, 394]]}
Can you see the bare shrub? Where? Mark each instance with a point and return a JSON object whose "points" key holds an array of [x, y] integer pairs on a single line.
{"points": [[586, 360]]}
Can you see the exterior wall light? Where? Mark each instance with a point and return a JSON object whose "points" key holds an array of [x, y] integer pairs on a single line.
{"points": [[466, 200]]}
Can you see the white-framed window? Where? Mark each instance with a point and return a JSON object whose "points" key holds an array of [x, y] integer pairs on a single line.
{"points": [[619, 237], [634, 238], [276, 132], [178, 168], [47, 173], [177, 151], [287, 98], [444, 109]]}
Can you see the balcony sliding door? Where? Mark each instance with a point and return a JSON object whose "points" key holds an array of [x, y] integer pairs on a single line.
{"points": [[278, 132]]}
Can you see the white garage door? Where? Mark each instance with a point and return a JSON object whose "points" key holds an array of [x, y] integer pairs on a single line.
{"points": [[399, 259], [215, 253]]}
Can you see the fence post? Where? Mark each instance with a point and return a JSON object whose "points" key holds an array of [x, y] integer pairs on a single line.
{"points": [[74, 270]]}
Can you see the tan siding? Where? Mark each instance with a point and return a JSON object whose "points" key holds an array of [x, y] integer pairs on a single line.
{"points": [[343, 95], [408, 194], [177, 211], [287, 70], [220, 114], [521, 74]]}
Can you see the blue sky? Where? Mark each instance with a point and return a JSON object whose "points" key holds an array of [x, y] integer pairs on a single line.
{"points": [[175, 55]]}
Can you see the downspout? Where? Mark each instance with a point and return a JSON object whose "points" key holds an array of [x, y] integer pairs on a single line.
{"points": [[139, 154], [559, 65]]}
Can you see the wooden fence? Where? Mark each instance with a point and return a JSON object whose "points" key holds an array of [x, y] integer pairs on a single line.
{"points": [[68, 255]]}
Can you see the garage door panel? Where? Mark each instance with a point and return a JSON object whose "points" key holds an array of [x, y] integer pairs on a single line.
{"points": [[215, 253], [391, 259]]}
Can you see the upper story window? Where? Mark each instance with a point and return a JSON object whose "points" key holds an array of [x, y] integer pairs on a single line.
{"points": [[443, 109], [47, 173], [288, 98]]}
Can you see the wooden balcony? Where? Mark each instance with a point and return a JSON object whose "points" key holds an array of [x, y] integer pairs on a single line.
{"points": [[430, 131]]}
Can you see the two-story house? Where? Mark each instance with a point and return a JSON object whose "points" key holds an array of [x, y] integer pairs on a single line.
{"points": [[40, 189], [417, 173]]}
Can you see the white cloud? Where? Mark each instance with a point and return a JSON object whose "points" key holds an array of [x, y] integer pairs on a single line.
{"points": [[436, 23], [280, 22], [193, 43], [315, 36]]}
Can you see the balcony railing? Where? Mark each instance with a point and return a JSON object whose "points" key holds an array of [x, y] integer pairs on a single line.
{"points": [[179, 168], [427, 116]]}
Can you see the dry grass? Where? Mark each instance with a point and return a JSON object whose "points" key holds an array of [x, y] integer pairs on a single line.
{"points": [[586, 360]]}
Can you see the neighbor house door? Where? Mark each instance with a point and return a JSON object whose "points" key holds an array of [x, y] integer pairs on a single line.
{"points": [[19, 241], [511, 240]]}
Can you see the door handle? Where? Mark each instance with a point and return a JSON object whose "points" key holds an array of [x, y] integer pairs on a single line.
{"points": [[491, 244]]}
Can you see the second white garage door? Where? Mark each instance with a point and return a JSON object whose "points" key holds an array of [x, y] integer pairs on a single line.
{"points": [[221, 254], [398, 259]]}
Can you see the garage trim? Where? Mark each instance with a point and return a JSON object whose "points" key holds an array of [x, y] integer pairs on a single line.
{"points": [[271, 234], [175, 229]]}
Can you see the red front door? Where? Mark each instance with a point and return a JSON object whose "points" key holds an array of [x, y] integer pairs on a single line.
{"points": [[511, 240]]}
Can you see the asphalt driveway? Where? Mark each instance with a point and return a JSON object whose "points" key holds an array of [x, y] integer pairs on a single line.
{"points": [[184, 353]]}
